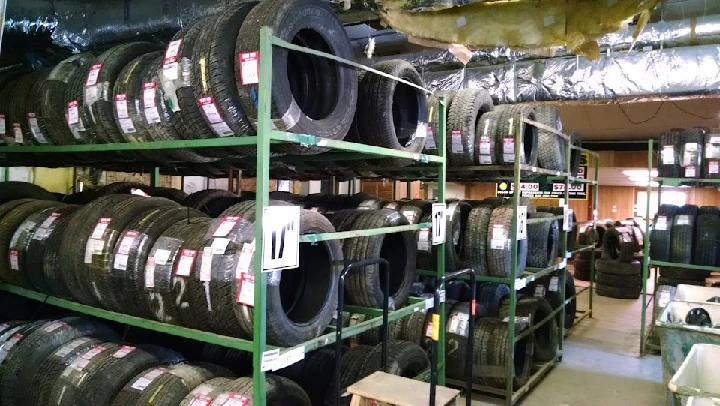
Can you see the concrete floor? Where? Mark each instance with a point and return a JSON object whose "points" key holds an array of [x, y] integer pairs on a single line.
{"points": [[600, 364]]}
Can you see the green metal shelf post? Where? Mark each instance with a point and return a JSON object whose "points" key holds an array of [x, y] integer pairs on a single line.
{"points": [[646, 249], [440, 264]]}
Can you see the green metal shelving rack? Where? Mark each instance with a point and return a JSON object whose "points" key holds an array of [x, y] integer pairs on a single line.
{"points": [[265, 137], [647, 261], [511, 395]]}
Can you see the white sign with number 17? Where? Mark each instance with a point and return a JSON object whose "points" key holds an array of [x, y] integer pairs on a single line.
{"points": [[281, 237], [438, 223]]}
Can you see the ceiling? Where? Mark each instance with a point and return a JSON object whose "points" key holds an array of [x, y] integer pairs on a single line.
{"points": [[640, 120]]}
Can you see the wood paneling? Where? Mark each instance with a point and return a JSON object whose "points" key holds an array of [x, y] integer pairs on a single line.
{"points": [[616, 202], [479, 191], [623, 159]]}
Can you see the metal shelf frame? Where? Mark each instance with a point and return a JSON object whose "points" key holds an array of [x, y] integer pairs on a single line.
{"points": [[530, 274], [266, 136], [647, 298]]}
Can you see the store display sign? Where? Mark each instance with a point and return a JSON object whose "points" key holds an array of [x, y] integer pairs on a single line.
{"points": [[547, 190]]}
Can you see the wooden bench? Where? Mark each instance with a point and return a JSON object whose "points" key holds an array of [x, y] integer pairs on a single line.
{"points": [[383, 389]]}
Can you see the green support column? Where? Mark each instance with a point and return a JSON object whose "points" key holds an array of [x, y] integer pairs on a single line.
{"points": [[646, 249], [155, 177], [440, 266], [261, 201], [6, 172]]}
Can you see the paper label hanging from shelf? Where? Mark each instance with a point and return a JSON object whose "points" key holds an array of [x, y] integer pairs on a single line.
{"points": [[186, 262], [152, 116], [439, 223], [456, 137], [269, 359], [281, 237], [249, 68], [246, 290], [521, 222]]}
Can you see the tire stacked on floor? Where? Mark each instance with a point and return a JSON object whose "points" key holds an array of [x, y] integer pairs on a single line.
{"points": [[618, 274]]}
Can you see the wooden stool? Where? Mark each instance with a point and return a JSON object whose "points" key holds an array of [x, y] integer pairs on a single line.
{"points": [[383, 389]]}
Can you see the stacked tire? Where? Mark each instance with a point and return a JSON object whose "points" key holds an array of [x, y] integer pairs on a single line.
{"points": [[618, 274]]}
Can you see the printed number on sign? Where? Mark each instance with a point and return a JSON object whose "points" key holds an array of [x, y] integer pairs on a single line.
{"points": [[281, 237], [438, 223]]}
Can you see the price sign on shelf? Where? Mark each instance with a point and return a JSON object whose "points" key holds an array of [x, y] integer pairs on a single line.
{"points": [[281, 237], [438, 223]]}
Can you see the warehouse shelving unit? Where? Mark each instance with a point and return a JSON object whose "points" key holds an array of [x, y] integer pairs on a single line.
{"points": [[266, 136], [511, 395], [649, 262]]}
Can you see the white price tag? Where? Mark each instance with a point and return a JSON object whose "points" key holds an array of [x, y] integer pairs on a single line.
{"points": [[456, 137], [66, 349], [35, 128], [249, 67], [121, 106], [430, 140], [439, 224], [142, 382], [54, 326], [73, 114], [269, 358], [152, 116], [246, 256], [520, 283], [172, 51], [171, 71], [484, 146], [91, 95], [100, 228], [539, 291], [161, 256], [499, 237], [206, 265], [14, 260], [226, 226], [485, 160], [421, 131], [683, 220], [2, 124], [219, 245], [93, 352], [127, 242], [281, 235], [246, 290], [186, 262], [567, 215], [207, 104], [120, 262], [668, 155], [553, 286], [222, 129], [509, 146], [123, 351], [289, 357], [423, 240], [664, 299], [150, 273], [17, 133], [690, 171], [92, 77], [410, 216], [93, 247], [660, 224], [713, 167], [521, 222]]}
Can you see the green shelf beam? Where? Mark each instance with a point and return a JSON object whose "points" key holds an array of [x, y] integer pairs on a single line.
{"points": [[685, 266], [685, 181], [128, 146], [313, 238]]}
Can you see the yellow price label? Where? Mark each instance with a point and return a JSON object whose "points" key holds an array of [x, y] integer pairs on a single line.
{"points": [[436, 327]]}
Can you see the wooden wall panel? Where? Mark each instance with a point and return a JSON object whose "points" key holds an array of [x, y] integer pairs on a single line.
{"points": [[616, 202], [479, 191], [623, 159]]}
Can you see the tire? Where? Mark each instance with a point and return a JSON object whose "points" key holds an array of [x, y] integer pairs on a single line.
{"points": [[130, 255], [457, 215], [684, 274], [618, 268], [475, 241], [13, 190], [669, 160], [587, 255], [618, 293], [414, 328], [575, 155], [554, 298], [279, 391], [490, 295], [177, 196], [682, 235], [711, 159], [620, 281], [404, 359], [543, 240], [199, 200], [660, 243], [545, 338], [465, 111], [214, 77], [663, 280], [391, 114], [550, 146], [17, 115], [6, 99], [499, 256], [315, 374], [352, 362], [691, 160], [325, 261], [582, 272], [618, 246], [167, 386], [50, 369], [99, 108], [19, 249], [53, 103], [363, 287], [491, 338], [9, 223], [433, 104], [511, 115], [456, 340], [117, 188], [287, 18], [83, 131], [34, 123], [707, 240], [572, 237], [26, 357]]}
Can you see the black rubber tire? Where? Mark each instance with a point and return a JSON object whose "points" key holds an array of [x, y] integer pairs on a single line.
{"points": [[414, 328], [663, 280], [475, 241], [352, 362], [9, 223], [554, 298], [363, 287], [13, 190], [456, 339], [176, 195], [618, 245], [618, 293], [404, 359], [683, 274], [543, 240], [120, 188], [465, 112], [6, 99], [130, 255], [83, 131], [618, 268], [37, 131], [499, 260], [511, 115], [167, 386], [200, 199], [660, 239], [669, 152], [314, 374], [490, 295], [620, 281], [575, 154], [456, 220], [320, 266], [682, 236], [572, 237], [707, 239], [590, 254], [581, 270], [329, 112], [691, 158], [545, 338], [17, 114], [550, 146], [19, 249], [278, 391], [113, 61], [25, 360], [214, 76], [50, 369], [711, 159], [392, 114], [491, 338]]}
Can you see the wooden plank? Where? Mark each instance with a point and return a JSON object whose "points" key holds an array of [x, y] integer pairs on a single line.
{"points": [[399, 391]]}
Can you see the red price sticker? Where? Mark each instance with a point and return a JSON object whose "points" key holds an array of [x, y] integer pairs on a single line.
{"points": [[14, 260], [172, 51], [186, 262], [73, 115], [100, 228], [226, 226], [249, 68], [235, 399], [246, 290], [201, 400], [92, 77]]}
